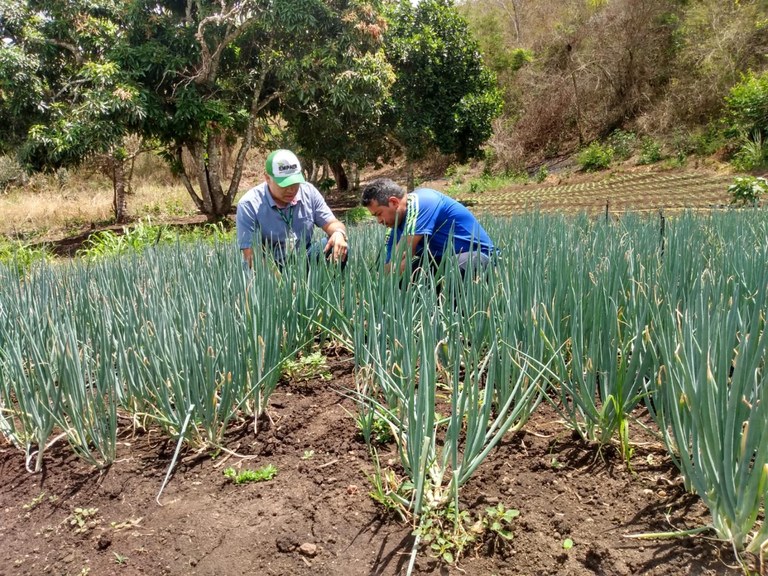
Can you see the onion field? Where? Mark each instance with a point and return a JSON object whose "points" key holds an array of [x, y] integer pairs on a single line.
{"points": [[597, 319]]}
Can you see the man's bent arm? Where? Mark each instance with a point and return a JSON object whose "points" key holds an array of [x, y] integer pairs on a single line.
{"points": [[411, 244]]}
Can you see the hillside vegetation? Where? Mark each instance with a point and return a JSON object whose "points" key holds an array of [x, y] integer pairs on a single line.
{"points": [[651, 73]]}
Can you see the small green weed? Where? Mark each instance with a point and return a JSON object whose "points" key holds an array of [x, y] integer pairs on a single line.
{"points": [[374, 429], [83, 519], [447, 532], [389, 490], [120, 559], [307, 367], [267, 473], [498, 521], [32, 504], [308, 455]]}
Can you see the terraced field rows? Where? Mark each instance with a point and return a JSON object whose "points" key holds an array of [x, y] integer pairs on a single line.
{"points": [[625, 192]]}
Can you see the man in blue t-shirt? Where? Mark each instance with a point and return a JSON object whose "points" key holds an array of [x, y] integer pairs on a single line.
{"points": [[422, 223]]}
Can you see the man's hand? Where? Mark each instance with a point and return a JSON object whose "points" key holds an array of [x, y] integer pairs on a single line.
{"points": [[337, 242], [248, 256]]}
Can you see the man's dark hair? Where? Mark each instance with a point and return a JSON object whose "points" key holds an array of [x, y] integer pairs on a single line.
{"points": [[380, 190]]}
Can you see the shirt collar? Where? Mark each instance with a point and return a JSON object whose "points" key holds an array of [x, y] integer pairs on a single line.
{"points": [[271, 200]]}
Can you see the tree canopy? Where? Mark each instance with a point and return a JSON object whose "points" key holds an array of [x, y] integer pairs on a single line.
{"points": [[345, 78], [444, 96]]}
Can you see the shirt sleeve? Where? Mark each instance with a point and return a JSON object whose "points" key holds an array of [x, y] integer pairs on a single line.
{"points": [[321, 213], [420, 214], [245, 221]]}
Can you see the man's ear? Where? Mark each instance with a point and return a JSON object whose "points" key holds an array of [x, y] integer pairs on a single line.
{"points": [[393, 201]]}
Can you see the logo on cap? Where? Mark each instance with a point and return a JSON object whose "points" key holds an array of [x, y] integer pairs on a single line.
{"points": [[284, 168]]}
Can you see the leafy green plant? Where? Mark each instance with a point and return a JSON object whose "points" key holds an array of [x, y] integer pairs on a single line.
{"points": [[446, 531], [268, 472], [746, 190], [308, 455], [498, 521], [356, 215], [22, 256], [120, 559], [326, 185], [753, 153], [650, 151], [83, 519], [541, 174], [373, 428], [623, 143], [595, 157], [748, 103], [309, 367]]}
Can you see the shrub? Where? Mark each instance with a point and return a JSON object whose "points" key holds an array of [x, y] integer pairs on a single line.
{"points": [[746, 190], [748, 103], [623, 143], [650, 151], [10, 172], [753, 153], [595, 157], [356, 215]]}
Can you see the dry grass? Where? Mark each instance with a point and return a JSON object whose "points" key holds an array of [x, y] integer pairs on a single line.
{"points": [[49, 211]]}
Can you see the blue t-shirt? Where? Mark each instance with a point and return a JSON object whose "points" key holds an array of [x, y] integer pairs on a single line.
{"points": [[257, 213], [436, 216]]}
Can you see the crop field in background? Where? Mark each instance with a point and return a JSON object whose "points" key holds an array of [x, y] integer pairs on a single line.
{"points": [[635, 192], [615, 363]]}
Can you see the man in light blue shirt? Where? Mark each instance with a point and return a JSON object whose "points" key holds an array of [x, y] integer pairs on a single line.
{"points": [[282, 211]]}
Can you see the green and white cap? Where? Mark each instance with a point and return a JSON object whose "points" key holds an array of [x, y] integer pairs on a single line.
{"points": [[284, 168]]}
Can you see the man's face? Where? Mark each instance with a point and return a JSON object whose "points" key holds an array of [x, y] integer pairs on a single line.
{"points": [[387, 213], [282, 196]]}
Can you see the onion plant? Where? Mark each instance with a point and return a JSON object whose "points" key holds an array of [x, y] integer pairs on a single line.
{"points": [[711, 400]]}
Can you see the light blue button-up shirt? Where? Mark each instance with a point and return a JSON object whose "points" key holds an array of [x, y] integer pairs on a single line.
{"points": [[259, 217]]}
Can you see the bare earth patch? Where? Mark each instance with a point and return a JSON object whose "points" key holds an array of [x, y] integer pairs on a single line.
{"points": [[316, 518]]}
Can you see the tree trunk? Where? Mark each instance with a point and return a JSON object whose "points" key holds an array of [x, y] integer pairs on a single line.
{"points": [[206, 166], [342, 182], [120, 190]]}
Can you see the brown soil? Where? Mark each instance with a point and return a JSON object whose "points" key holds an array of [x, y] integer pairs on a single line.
{"points": [[316, 516]]}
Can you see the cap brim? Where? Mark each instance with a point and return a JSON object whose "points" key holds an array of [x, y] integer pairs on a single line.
{"points": [[289, 180]]}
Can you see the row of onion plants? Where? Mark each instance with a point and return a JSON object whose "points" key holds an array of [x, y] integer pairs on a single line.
{"points": [[178, 337]]}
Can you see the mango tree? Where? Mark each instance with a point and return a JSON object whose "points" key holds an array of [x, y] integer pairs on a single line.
{"points": [[212, 73]]}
